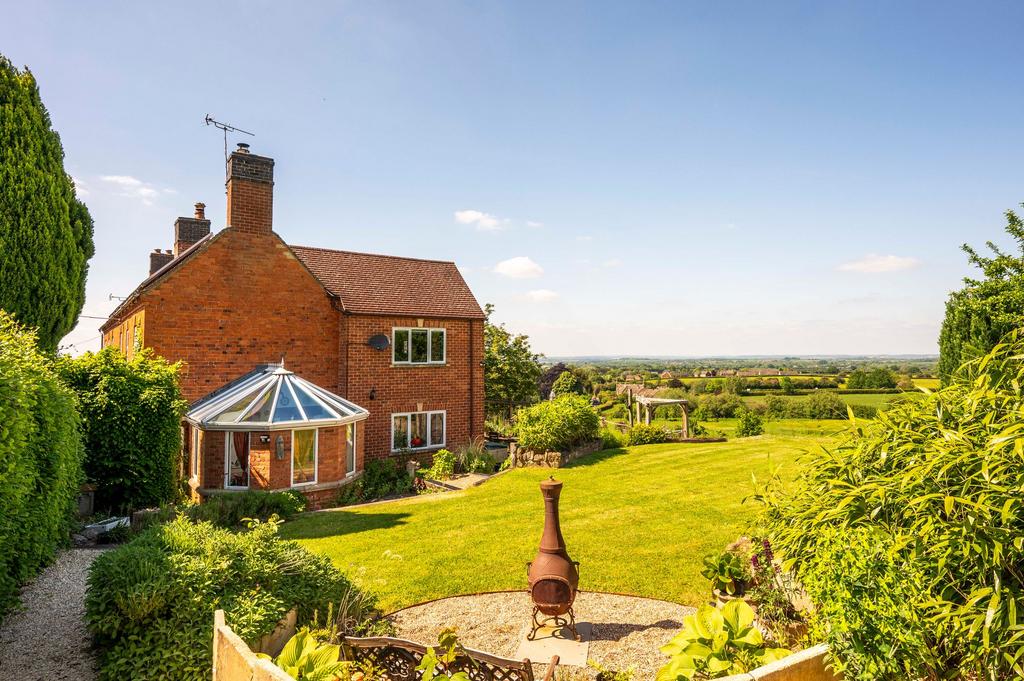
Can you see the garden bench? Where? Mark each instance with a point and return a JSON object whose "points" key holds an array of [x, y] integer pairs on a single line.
{"points": [[399, 659]]}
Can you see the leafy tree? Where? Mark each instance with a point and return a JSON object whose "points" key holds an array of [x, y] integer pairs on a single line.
{"points": [[566, 384], [984, 310], [45, 232], [511, 368], [548, 378]]}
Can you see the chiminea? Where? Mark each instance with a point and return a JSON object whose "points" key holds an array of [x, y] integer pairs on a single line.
{"points": [[554, 576]]}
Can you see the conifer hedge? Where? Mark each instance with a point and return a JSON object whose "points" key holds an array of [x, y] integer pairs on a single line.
{"points": [[46, 233], [40, 459]]}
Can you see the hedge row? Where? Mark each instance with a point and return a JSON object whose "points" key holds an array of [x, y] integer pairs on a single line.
{"points": [[131, 417], [40, 459], [150, 603]]}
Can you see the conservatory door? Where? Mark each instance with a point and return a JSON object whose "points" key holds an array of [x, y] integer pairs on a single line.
{"points": [[236, 464]]}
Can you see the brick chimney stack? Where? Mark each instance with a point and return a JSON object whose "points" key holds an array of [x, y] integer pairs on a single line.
{"points": [[250, 192], [187, 231], [158, 259]]}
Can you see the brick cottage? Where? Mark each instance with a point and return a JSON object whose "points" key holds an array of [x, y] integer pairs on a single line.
{"points": [[302, 363]]}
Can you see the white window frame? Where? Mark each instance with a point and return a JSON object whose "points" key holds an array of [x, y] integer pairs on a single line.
{"points": [[194, 464], [431, 331], [316, 459], [408, 430], [227, 462]]}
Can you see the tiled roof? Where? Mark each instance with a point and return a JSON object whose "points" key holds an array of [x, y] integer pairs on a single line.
{"points": [[384, 284]]}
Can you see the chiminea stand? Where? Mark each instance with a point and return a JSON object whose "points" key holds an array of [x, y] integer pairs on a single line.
{"points": [[558, 621]]}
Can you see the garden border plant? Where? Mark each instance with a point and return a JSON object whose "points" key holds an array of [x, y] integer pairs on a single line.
{"points": [[910, 536]]}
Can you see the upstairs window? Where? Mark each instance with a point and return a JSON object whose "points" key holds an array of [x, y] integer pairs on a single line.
{"points": [[418, 346]]}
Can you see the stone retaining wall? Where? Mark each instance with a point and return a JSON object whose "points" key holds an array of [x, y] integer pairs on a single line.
{"points": [[529, 457]]}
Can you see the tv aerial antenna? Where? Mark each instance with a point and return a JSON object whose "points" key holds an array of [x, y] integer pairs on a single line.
{"points": [[226, 128]]}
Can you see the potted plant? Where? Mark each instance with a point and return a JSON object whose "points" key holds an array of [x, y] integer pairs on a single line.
{"points": [[416, 441], [729, 575]]}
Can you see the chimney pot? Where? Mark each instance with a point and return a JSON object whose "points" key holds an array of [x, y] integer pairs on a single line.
{"points": [[200, 211], [243, 148], [168, 251]]}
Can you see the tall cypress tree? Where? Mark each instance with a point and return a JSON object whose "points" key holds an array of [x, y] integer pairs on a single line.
{"points": [[45, 231]]}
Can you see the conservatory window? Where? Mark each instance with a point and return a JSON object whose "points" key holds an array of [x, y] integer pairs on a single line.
{"points": [[418, 346], [236, 454], [304, 456]]}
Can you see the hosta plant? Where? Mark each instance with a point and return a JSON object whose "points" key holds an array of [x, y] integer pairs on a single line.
{"points": [[303, 657], [726, 572], [717, 642]]}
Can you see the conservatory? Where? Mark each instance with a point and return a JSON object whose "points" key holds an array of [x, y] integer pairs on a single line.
{"points": [[272, 429]]}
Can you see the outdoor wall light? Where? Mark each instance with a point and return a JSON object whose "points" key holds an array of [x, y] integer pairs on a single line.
{"points": [[264, 438], [279, 447]]}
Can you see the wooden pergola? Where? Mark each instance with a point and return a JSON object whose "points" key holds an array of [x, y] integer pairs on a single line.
{"points": [[646, 406]]}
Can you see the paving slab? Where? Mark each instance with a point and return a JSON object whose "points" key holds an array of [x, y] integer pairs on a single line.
{"points": [[558, 641]]}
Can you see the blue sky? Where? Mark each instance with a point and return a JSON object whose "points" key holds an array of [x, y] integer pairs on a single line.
{"points": [[617, 178]]}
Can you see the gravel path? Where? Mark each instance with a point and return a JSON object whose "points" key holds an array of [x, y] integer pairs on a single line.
{"points": [[627, 630], [48, 639]]}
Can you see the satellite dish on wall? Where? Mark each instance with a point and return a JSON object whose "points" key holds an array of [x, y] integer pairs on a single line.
{"points": [[379, 342]]}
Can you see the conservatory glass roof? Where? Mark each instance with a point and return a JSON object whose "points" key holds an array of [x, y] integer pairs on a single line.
{"points": [[271, 398]]}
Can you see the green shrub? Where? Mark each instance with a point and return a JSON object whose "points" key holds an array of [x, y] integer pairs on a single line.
{"points": [[150, 603], [474, 458], [40, 459], [718, 406], [864, 411], [557, 424], [612, 438], [643, 434], [908, 537], [231, 508], [750, 424], [131, 417], [824, 404], [566, 384], [443, 467], [381, 478]]}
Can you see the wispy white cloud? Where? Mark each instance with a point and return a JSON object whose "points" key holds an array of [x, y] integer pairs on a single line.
{"points": [[874, 263], [132, 187], [541, 295], [520, 267], [534, 223], [485, 222]]}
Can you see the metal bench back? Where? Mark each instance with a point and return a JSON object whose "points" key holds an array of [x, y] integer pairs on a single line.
{"points": [[399, 658]]}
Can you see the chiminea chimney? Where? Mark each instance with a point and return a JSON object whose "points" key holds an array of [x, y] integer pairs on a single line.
{"points": [[188, 231], [158, 259], [250, 191]]}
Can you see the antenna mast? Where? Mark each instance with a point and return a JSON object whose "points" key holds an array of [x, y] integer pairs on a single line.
{"points": [[226, 128]]}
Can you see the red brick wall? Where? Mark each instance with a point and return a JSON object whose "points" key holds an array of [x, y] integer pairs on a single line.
{"points": [[455, 387], [267, 472], [244, 300]]}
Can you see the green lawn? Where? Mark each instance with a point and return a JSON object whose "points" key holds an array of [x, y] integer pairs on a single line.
{"points": [[639, 520]]}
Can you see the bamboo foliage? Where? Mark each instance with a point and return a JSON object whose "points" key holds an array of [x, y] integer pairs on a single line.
{"points": [[909, 537]]}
